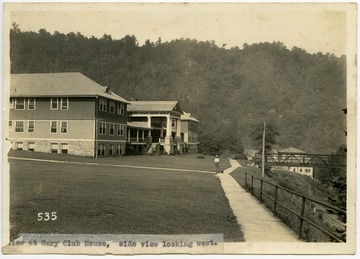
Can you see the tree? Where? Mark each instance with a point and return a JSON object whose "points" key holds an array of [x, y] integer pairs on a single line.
{"points": [[270, 137], [301, 94]]}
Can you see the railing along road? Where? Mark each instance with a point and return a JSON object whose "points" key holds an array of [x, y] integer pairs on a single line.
{"points": [[274, 198]]}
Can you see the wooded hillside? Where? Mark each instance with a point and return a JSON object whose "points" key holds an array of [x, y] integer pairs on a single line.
{"points": [[228, 90]]}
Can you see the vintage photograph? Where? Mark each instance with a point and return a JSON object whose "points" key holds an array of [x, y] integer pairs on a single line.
{"points": [[179, 128]]}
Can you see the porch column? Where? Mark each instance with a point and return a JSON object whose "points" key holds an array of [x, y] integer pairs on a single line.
{"points": [[137, 135], [168, 126], [149, 131], [168, 138], [178, 135], [162, 129], [178, 128]]}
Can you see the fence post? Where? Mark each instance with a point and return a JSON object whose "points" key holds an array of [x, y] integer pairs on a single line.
{"points": [[245, 180], [301, 216], [261, 189], [275, 199]]}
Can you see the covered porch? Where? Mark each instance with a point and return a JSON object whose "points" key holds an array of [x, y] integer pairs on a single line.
{"points": [[163, 119]]}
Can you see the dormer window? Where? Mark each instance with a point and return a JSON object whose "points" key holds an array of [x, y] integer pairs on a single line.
{"points": [[107, 90]]}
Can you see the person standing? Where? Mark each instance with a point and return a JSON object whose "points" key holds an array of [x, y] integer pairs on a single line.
{"points": [[217, 164]]}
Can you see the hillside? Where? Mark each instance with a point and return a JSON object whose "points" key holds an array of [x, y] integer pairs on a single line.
{"points": [[228, 90]]}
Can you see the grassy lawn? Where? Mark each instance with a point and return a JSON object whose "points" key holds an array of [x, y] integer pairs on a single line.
{"points": [[104, 199]]}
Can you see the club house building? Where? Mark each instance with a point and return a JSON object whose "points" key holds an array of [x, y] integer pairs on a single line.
{"points": [[66, 113]]}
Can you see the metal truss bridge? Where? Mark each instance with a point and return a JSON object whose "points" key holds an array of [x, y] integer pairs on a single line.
{"points": [[306, 160]]}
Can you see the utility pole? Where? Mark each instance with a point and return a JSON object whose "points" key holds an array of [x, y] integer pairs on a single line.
{"points": [[263, 153]]}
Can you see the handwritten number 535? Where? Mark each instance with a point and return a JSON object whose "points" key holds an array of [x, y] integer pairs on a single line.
{"points": [[46, 216]]}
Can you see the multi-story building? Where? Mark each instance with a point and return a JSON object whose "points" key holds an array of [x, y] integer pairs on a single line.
{"points": [[189, 130], [162, 122], [66, 113]]}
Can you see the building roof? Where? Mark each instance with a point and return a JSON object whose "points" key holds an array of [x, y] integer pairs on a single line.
{"points": [[58, 84], [292, 150], [251, 152], [138, 124], [188, 117], [154, 106]]}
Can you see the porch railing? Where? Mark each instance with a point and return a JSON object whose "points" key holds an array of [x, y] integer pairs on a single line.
{"points": [[135, 139]]}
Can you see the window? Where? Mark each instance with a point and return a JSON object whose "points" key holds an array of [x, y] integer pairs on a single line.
{"points": [[53, 127], [54, 147], [102, 128], [112, 106], [120, 149], [64, 148], [101, 150], [19, 126], [54, 102], [102, 105], [19, 145], [120, 130], [64, 103], [20, 104], [64, 127], [11, 103], [31, 146], [10, 126], [111, 129], [31, 126], [111, 150], [300, 170], [121, 108], [31, 103]]}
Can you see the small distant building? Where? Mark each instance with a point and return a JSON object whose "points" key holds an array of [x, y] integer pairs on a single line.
{"points": [[250, 154], [291, 150], [295, 160], [189, 132], [306, 170]]}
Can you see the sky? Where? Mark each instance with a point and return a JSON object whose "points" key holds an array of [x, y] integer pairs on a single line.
{"points": [[313, 27]]}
